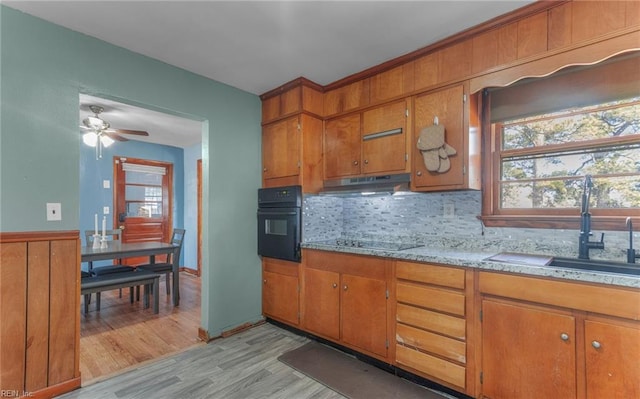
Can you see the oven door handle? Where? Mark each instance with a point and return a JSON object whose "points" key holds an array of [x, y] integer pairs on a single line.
{"points": [[276, 212]]}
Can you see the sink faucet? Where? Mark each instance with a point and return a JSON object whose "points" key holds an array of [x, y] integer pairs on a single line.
{"points": [[585, 223], [631, 253]]}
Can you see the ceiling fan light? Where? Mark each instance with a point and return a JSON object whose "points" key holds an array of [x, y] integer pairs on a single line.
{"points": [[95, 123], [106, 140], [90, 139]]}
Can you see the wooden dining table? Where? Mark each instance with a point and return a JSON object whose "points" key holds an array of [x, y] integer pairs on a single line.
{"points": [[116, 250]]}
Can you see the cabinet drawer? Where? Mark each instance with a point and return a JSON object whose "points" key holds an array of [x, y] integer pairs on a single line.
{"points": [[432, 343], [430, 274], [431, 298], [432, 321], [431, 366]]}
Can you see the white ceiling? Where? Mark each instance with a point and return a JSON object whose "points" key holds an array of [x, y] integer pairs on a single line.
{"points": [[258, 45]]}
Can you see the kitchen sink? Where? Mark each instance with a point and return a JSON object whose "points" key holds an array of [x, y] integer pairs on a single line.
{"points": [[596, 265]]}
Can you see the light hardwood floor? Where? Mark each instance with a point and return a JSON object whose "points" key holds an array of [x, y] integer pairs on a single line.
{"points": [[243, 366], [122, 335]]}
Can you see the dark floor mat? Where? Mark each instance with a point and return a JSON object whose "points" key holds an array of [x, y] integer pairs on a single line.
{"points": [[351, 377]]}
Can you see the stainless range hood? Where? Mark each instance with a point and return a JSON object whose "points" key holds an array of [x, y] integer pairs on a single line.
{"points": [[368, 184]]}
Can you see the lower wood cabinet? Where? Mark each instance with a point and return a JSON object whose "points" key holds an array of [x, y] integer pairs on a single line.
{"points": [[346, 300], [431, 325], [612, 359], [530, 352], [544, 338], [280, 287]]}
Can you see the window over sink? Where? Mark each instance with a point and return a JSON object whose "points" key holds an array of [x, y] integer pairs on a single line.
{"points": [[545, 135]]}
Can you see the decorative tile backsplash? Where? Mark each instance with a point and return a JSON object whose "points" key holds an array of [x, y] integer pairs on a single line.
{"points": [[420, 217]]}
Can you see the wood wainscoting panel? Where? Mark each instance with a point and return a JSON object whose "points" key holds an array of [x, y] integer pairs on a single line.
{"points": [[37, 316], [40, 312], [13, 307], [64, 311]]}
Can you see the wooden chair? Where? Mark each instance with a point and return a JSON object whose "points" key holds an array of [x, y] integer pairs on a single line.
{"points": [[113, 236], [166, 268]]}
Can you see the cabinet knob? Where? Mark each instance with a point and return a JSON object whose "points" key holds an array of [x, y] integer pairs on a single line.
{"points": [[264, 170], [345, 287], [366, 161], [335, 285], [355, 163], [419, 173], [564, 336], [265, 280], [596, 344]]}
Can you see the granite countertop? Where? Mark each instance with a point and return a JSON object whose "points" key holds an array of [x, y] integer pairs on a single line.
{"points": [[477, 259]]}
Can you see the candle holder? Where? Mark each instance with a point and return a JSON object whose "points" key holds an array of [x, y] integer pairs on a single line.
{"points": [[97, 238], [103, 242]]}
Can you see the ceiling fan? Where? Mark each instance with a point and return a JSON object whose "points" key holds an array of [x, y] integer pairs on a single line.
{"points": [[99, 132]]}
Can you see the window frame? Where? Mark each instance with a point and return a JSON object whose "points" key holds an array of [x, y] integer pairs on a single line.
{"points": [[553, 218]]}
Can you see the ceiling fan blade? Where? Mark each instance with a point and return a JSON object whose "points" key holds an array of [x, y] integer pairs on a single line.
{"points": [[134, 132], [115, 136]]}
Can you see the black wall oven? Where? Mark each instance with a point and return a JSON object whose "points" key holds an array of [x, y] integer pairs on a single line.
{"points": [[280, 222]]}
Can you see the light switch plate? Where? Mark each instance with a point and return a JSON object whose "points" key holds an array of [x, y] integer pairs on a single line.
{"points": [[106, 184], [105, 210], [54, 211]]}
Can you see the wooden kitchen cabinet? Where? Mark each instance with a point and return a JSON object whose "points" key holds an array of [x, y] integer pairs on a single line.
{"points": [[292, 136], [431, 322], [366, 143], [454, 108], [322, 302], [612, 350], [552, 338], [342, 146], [529, 352], [280, 290], [281, 149], [345, 300], [384, 139]]}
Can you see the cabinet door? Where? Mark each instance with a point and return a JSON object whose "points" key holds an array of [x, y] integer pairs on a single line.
{"points": [[364, 313], [447, 106], [612, 366], [527, 353], [322, 302], [384, 138], [342, 147], [281, 149], [280, 297]]}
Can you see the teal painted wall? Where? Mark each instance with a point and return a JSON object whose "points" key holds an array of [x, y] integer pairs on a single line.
{"points": [[43, 68]]}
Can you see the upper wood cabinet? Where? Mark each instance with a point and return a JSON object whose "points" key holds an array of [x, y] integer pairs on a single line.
{"points": [[369, 142], [346, 98], [384, 138], [296, 96], [457, 112], [292, 136], [342, 146], [281, 149]]}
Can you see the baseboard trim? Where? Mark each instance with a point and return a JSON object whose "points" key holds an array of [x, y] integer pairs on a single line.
{"points": [[56, 390]]}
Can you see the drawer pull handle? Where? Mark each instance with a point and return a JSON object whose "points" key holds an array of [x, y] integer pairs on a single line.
{"points": [[345, 287], [596, 344], [564, 336], [335, 285]]}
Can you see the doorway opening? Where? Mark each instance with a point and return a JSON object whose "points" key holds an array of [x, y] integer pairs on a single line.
{"points": [[124, 334]]}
